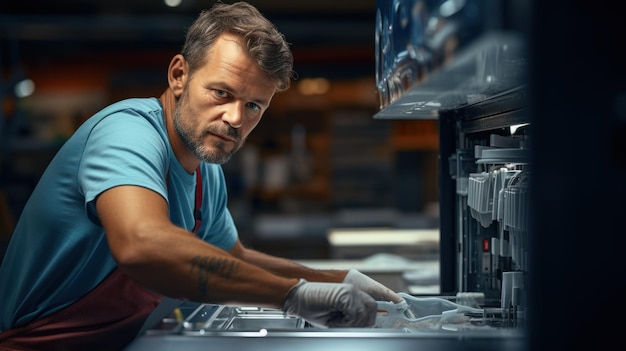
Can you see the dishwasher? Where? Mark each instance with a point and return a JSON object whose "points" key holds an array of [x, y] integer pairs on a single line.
{"points": [[514, 213]]}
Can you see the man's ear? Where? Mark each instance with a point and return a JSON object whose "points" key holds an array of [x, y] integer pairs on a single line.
{"points": [[177, 74]]}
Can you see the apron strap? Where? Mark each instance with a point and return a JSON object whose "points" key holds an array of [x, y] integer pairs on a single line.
{"points": [[197, 214]]}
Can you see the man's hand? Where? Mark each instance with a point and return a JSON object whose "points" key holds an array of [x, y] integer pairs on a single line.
{"points": [[331, 304], [373, 288]]}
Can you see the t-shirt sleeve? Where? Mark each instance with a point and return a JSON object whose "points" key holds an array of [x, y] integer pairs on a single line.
{"points": [[122, 149]]}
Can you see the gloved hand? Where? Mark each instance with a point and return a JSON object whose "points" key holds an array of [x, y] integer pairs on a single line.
{"points": [[331, 304], [373, 288]]}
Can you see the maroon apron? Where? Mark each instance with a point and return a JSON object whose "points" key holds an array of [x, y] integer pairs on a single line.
{"points": [[107, 318]]}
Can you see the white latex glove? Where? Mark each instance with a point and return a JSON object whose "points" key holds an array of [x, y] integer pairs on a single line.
{"points": [[331, 304], [373, 288]]}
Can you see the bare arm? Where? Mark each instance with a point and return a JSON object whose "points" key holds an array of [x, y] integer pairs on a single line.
{"points": [[174, 262], [285, 267]]}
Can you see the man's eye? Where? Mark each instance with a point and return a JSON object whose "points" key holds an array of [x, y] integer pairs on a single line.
{"points": [[254, 106], [221, 93]]}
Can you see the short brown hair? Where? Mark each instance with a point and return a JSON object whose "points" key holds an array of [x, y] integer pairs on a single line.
{"points": [[263, 41]]}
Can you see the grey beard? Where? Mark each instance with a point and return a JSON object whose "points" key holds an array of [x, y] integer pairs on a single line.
{"points": [[197, 148]]}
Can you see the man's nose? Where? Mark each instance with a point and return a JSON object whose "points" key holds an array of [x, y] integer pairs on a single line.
{"points": [[234, 115]]}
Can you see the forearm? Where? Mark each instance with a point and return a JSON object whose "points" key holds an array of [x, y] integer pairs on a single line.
{"points": [[194, 270], [289, 268]]}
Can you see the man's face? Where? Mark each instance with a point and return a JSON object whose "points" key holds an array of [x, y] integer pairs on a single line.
{"points": [[222, 102]]}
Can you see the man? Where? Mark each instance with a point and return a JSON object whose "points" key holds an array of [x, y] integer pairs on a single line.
{"points": [[110, 228]]}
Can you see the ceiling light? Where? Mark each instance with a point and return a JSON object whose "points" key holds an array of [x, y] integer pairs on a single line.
{"points": [[24, 88], [173, 3]]}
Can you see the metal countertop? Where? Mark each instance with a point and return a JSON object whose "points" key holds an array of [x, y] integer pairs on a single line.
{"points": [[361, 340]]}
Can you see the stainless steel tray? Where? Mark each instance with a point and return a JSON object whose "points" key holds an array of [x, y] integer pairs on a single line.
{"points": [[211, 318]]}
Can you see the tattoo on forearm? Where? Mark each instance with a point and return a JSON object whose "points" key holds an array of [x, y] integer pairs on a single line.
{"points": [[203, 266]]}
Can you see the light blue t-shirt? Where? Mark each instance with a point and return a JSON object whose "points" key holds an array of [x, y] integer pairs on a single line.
{"points": [[58, 251]]}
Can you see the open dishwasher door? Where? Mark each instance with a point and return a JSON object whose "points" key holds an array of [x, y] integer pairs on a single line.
{"points": [[222, 327]]}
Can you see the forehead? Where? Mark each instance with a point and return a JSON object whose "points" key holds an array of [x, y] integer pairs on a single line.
{"points": [[229, 62]]}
